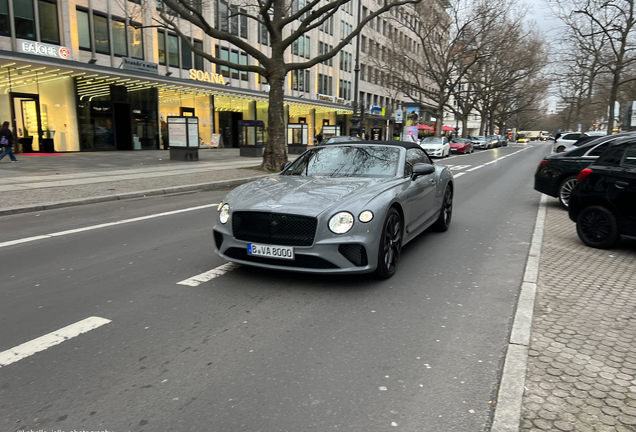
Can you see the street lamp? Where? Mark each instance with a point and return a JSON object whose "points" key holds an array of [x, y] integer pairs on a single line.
{"points": [[356, 120]]}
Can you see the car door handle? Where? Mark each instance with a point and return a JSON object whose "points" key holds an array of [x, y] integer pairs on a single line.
{"points": [[433, 181], [621, 184]]}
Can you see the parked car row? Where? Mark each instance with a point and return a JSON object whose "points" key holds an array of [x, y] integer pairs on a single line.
{"points": [[595, 180], [442, 147]]}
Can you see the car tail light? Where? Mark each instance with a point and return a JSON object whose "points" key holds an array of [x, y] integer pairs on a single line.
{"points": [[543, 162], [586, 172]]}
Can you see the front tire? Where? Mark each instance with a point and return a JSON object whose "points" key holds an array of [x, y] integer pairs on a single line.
{"points": [[565, 190], [597, 228], [390, 245], [446, 212]]}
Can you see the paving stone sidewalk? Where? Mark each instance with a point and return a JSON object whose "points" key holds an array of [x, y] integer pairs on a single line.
{"points": [[581, 373]]}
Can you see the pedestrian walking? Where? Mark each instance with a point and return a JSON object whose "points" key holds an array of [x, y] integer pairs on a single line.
{"points": [[6, 142]]}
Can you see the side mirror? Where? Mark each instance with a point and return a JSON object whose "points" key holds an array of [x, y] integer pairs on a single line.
{"points": [[285, 166], [422, 169]]}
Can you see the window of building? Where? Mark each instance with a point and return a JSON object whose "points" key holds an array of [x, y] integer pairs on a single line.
{"points": [[24, 19], [120, 46], [49, 27], [307, 46], [83, 30], [330, 86], [161, 42], [362, 68], [4, 17], [136, 41], [222, 13], [234, 58], [198, 60], [263, 35], [244, 62], [363, 44], [173, 50], [223, 54], [365, 12], [186, 55], [102, 41], [384, 28]]}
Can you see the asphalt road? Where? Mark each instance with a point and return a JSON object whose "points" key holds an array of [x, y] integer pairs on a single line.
{"points": [[254, 350]]}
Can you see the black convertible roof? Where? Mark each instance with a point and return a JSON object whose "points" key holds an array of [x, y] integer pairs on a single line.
{"points": [[404, 144]]}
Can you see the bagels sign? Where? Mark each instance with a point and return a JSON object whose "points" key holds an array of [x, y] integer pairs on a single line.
{"points": [[44, 50]]}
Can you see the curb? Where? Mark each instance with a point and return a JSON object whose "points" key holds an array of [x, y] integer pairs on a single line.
{"points": [[510, 397], [129, 195]]}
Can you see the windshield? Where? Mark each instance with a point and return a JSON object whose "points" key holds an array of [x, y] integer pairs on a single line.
{"points": [[346, 161], [432, 140], [480, 138]]}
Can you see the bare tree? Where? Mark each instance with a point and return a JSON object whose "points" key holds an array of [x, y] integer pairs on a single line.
{"points": [[286, 21], [605, 30]]}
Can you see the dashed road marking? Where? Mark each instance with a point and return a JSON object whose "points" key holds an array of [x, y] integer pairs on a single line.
{"points": [[209, 275], [47, 341]]}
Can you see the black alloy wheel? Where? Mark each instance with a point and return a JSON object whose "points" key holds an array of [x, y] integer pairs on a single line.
{"points": [[565, 190], [597, 228], [446, 212], [390, 245]]}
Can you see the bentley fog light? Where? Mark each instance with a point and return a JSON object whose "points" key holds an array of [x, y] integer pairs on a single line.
{"points": [[365, 216], [341, 222], [219, 207], [224, 215]]}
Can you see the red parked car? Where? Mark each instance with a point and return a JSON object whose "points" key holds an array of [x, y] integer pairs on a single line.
{"points": [[461, 145]]}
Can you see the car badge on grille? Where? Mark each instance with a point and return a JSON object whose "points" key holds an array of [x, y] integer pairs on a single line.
{"points": [[274, 206]]}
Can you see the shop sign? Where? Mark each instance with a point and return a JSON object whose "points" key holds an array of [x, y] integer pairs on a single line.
{"points": [[140, 65], [376, 110], [43, 49], [398, 116], [333, 99], [198, 75], [325, 98]]}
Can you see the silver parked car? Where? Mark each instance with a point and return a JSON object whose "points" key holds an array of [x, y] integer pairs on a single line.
{"points": [[339, 208]]}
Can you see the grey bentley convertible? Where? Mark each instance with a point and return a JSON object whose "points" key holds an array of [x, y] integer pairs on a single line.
{"points": [[340, 208]]}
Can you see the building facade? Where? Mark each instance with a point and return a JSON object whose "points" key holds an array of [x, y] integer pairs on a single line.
{"points": [[97, 75]]}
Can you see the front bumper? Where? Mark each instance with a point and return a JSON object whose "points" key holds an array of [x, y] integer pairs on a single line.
{"points": [[323, 256], [434, 152]]}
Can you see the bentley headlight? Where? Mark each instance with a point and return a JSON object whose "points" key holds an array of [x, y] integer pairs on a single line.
{"points": [[365, 216], [341, 222], [224, 214]]}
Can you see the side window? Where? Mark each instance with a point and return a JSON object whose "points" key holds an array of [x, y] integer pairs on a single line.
{"points": [[599, 149], [630, 156], [413, 156]]}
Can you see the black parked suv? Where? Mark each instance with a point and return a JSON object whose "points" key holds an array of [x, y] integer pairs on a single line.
{"points": [[603, 204], [556, 173]]}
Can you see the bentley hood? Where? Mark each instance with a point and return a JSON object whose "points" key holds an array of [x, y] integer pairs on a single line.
{"points": [[308, 196]]}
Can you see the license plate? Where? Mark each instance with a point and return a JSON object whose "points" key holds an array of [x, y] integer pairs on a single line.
{"points": [[281, 252]]}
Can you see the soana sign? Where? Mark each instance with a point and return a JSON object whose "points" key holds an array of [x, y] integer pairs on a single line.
{"points": [[198, 75], [43, 49]]}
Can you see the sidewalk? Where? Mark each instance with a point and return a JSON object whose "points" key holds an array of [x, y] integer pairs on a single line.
{"points": [[581, 370], [50, 181]]}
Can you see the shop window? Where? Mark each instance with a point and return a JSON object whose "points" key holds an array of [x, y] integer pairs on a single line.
{"points": [[161, 41], [198, 60], [173, 50], [83, 30], [4, 17], [102, 41], [120, 46], [24, 19], [186, 55], [135, 36], [49, 27]]}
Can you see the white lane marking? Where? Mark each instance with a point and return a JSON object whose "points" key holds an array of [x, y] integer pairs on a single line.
{"points": [[209, 275], [47, 341], [458, 175], [94, 227], [496, 160]]}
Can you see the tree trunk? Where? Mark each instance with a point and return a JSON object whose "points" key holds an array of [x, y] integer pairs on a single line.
{"points": [[275, 151], [464, 125], [613, 97]]}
